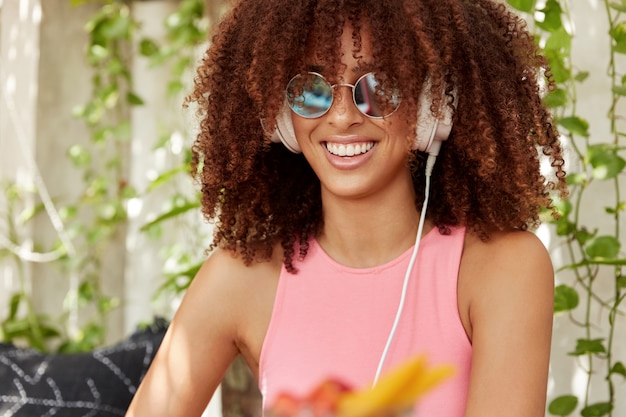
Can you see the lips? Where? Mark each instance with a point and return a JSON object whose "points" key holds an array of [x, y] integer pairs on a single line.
{"points": [[349, 149]]}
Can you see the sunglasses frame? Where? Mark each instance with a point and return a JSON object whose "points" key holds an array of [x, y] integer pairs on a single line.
{"points": [[332, 97]]}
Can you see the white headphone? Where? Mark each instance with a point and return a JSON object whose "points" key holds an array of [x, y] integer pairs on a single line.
{"points": [[430, 130]]}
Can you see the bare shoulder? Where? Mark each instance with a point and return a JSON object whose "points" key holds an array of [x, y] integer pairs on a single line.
{"points": [[510, 265], [508, 248], [226, 271], [243, 294]]}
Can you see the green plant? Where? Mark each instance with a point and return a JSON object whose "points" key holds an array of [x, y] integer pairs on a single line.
{"points": [[95, 219], [594, 254]]}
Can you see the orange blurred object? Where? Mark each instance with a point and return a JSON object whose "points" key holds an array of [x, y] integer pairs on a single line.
{"points": [[393, 395], [321, 402]]}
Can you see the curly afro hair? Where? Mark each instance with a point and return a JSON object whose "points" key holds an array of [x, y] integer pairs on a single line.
{"points": [[488, 175]]}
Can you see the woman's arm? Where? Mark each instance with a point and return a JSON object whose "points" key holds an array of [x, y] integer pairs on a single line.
{"points": [[198, 346], [509, 288]]}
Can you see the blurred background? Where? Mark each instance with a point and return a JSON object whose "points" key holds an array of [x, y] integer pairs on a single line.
{"points": [[100, 226]]}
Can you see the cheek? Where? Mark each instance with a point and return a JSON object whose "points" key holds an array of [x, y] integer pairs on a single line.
{"points": [[399, 129], [303, 127]]}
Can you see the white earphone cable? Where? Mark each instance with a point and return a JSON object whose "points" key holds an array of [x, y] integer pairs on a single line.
{"points": [[430, 163]]}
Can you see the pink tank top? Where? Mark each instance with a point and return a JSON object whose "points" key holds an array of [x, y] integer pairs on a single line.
{"points": [[330, 320]]}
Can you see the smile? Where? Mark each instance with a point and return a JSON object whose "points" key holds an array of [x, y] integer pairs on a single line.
{"points": [[350, 149]]}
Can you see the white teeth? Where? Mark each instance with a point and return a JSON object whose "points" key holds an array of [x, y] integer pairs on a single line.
{"points": [[350, 149]]}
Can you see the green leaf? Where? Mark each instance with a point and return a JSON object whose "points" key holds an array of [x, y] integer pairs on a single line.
{"points": [[97, 188], [565, 298], [110, 96], [597, 410], [118, 27], [564, 227], [15, 327], [97, 54], [86, 293], [605, 161], [559, 41], [556, 98], [563, 207], [175, 283], [79, 156], [522, 5], [102, 134], [117, 67], [68, 212], [605, 247], [128, 192], [107, 304], [148, 47], [618, 33], [563, 405], [583, 236], [552, 16], [133, 99], [588, 346], [576, 178], [560, 70], [192, 8], [176, 211], [576, 125], [175, 87], [618, 368], [581, 76], [621, 282], [182, 65], [14, 304], [123, 131], [48, 331], [619, 90], [621, 206], [108, 211], [93, 112], [618, 7], [189, 272], [165, 177]]}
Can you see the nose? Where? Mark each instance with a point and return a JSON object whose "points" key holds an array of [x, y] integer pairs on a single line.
{"points": [[343, 111]]}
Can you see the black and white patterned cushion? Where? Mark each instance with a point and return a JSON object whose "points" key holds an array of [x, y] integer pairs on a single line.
{"points": [[100, 383]]}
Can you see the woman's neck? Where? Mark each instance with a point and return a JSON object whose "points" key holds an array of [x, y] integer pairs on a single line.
{"points": [[368, 232]]}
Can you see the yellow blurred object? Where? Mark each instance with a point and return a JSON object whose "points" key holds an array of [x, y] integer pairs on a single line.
{"points": [[396, 391]]}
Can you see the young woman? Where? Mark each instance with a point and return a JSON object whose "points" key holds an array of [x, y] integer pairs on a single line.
{"points": [[372, 168]]}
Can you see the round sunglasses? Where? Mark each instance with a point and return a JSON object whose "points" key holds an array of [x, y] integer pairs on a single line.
{"points": [[310, 95]]}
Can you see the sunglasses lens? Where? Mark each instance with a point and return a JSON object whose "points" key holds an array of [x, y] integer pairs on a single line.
{"points": [[309, 95], [374, 99]]}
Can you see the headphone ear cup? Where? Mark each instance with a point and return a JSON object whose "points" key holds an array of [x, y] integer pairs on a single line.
{"points": [[285, 132], [429, 128]]}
